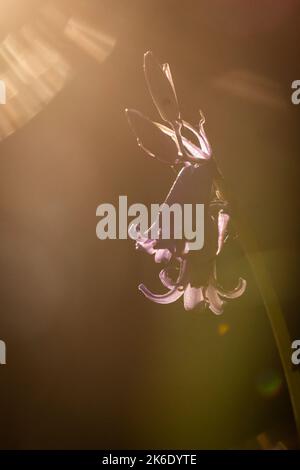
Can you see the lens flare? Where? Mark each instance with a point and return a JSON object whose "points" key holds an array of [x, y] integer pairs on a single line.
{"points": [[269, 383], [223, 328], [35, 64]]}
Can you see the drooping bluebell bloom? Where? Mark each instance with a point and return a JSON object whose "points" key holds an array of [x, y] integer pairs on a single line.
{"points": [[191, 274]]}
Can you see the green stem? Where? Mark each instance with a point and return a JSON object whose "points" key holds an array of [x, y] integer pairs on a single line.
{"points": [[275, 315], [271, 303]]}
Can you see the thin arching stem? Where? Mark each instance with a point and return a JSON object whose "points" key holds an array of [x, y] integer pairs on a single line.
{"points": [[271, 303]]}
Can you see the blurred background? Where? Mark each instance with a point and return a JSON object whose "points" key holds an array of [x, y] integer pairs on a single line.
{"points": [[90, 362]]}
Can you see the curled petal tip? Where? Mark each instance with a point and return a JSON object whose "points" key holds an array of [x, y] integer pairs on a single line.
{"points": [[169, 297], [202, 118], [235, 293]]}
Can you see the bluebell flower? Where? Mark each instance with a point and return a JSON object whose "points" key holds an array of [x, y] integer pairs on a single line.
{"points": [[190, 274]]}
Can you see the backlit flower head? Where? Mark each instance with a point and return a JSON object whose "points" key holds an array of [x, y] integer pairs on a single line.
{"points": [[185, 273]]}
